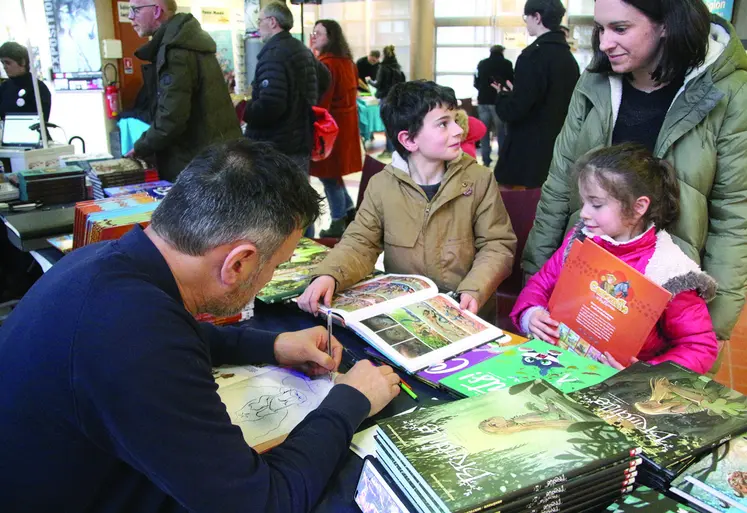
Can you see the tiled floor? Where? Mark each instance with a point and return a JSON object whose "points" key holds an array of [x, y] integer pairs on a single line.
{"points": [[733, 372]]}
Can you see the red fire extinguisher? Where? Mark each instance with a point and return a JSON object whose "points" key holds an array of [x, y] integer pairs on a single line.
{"points": [[112, 96]]}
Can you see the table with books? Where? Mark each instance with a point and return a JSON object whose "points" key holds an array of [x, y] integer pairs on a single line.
{"points": [[493, 422], [504, 424]]}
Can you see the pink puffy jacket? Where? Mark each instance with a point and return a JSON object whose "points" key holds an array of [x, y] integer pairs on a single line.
{"points": [[684, 333]]}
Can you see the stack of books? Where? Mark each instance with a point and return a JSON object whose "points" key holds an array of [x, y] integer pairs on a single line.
{"points": [[110, 218], [117, 172], [674, 414], [527, 448], [157, 189], [717, 482], [51, 185]]}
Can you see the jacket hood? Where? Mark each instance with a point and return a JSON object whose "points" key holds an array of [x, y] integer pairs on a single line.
{"points": [[181, 31], [725, 51], [184, 31]]}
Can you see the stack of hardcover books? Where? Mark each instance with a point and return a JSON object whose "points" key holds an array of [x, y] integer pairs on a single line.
{"points": [[674, 414], [110, 218], [118, 172], [527, 448], [51, 185]]}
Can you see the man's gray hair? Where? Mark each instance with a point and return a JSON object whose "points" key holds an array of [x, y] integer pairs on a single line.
{"points": [[281, 13], [238, 191]]}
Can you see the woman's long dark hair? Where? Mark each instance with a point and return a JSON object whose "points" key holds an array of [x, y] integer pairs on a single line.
{"points": [[336, 45], [687, 23]]}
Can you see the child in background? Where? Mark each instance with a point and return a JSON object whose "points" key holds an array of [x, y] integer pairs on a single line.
{"points": [[629, 197], [473, 131], [433, 211]]}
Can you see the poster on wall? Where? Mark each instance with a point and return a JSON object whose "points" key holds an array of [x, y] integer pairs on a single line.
{"points": [[723, 8], [123, 11], [251, 15], [224, 54], [74, 44], [215, 16]]}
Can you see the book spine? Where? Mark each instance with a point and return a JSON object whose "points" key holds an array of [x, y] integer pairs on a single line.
{"points": [[629, 455]]}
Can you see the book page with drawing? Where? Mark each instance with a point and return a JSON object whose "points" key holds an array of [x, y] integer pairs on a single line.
{"points": [[406, 319], [268, 402]]}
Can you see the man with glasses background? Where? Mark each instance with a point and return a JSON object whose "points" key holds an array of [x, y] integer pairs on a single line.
{"points": [[288, 80], [191, 107]]}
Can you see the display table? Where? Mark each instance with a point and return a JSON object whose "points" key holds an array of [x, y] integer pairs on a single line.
{"points": [[369, 118]]}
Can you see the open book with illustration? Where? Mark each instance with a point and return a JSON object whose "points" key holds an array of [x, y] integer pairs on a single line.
{"points": [[408, 321], [603, 304]]}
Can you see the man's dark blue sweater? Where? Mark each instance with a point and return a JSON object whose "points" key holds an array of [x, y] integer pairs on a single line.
{"points": [[108, 403]]}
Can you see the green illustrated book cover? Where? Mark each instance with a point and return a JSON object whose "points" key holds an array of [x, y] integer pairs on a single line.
{"points": [[719, 479], [531, 360], [671, 412], [490, 449], [291, 278]]}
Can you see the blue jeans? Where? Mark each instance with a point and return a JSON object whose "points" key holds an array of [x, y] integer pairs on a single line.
{"points": [[495, 126], [337, 196]]}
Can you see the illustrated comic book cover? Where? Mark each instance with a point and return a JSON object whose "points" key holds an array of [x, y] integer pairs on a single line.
{"points": [[292, 277], [492, 448], [719, 478], [672, 412], [604, 304], [532, 360]]}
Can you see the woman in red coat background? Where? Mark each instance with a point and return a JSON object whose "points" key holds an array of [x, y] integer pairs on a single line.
{"points": [[340, 100]]}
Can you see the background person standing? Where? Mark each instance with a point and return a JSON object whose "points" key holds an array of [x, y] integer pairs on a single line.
{"points": [[340, 101], [535, 105], [498, 69]]}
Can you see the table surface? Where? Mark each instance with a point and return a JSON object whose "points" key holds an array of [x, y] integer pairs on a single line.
{"points": [[338, 496]]}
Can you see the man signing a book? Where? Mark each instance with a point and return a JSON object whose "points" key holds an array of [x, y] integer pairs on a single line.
{"points": [[108, 402]]}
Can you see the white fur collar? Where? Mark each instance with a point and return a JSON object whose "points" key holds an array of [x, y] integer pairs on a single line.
{"points": [[612, 241], [400, 163], [717, 42]]}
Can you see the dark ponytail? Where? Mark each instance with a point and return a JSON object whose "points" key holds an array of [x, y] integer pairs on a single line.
{"points": [[627, 172]]}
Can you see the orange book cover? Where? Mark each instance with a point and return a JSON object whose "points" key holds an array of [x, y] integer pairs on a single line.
{"points": [[604, 304]]}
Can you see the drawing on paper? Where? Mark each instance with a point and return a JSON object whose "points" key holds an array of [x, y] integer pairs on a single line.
{"points": [[268, 406]]}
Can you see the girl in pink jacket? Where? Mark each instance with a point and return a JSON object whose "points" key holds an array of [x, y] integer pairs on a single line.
{"points": [[629, 197]]}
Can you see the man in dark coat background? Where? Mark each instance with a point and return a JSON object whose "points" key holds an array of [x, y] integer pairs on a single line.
{"points": [[495, 68], [536, 103], [288, 80], [192, 106]]}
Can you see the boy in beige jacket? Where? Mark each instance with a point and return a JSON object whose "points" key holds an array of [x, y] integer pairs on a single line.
{"points": [[434, 210]]}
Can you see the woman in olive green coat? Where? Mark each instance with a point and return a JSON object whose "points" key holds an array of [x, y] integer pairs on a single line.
{"points": [[679, 88]]}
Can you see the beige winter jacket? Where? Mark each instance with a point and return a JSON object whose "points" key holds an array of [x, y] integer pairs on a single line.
{"points": [[462, 239]]}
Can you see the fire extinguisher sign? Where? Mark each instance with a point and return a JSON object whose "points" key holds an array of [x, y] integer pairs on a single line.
{"points": [[129, 69]]}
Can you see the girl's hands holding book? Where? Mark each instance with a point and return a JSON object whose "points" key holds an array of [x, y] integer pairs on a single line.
{"points": [[322, 288], [610, 360], [544, 327], [379, 384]]}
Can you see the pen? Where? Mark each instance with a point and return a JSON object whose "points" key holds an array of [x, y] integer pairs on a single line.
{"points": [[329, 338]]}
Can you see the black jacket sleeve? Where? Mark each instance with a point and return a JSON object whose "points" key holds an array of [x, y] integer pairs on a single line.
{"points": [[271, 97], [530, 86]]}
